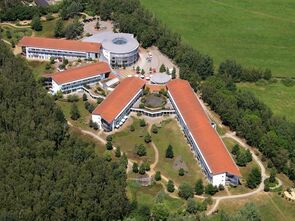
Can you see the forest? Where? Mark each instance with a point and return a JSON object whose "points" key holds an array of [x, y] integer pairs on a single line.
{"points": [[46, 173]]}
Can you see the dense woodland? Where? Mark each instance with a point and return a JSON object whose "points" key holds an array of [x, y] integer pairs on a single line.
{"points": [[46, 173]]}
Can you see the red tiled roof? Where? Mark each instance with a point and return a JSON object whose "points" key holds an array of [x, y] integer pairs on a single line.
{"points": [[119, 98], [210, 144], [60, 44], [81, 72]]}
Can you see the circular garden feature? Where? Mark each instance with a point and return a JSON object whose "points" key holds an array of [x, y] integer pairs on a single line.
{"points": [[154, 101]]}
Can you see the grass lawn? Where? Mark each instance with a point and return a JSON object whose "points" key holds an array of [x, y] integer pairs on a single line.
{"points": [[170, 133], [151, 195], [127, 141], [83, 121], [16, 33], [99, 147], [39, 68], [271, 207], [48, 28], [255, 33], [278, 97]]}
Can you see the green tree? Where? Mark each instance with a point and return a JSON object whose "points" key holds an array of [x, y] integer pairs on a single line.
{"points": [[160, 212], [185, 191], [74, 30], [272, 177], [109, 145], [173, 74], [235, 150], [170, 186], [191, 206], [135, 168], [254, 178], [109, 138], [250, 212], [140, 150], [147, 138], [118, 152], [241, 158], [181, 172], [199, 187], [169, 151], [162, 68], [158, 176], [142, 169], [146, 166], [36, 23], [75, 114], [84, 97], [107, 155], [210, 189], [59, 31]]}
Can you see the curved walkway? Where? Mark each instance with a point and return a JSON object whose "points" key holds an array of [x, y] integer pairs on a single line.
{"points": [[217, 199]]}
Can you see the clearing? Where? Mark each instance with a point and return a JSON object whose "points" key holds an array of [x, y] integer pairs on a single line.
{"points": [[255, 33]]}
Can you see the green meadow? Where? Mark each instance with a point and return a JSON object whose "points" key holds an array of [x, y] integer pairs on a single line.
{"points": [[257, 33]]}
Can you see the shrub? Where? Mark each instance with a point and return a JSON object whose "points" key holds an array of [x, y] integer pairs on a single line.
{"points": [[75, 114], [170, 186], [142, 123], [99, 100], [191, 206], [72, 98], [147, 138], [141, 169], [141, 105], [288, 82], [118, 152], [107, 155], [199, 187], [181, 172], [154, 129], [210, 189], [135, 168], [185, 191], [158, 176], [109, 138], [146, 166], [84, 97], [132, 128], [140, 150]]}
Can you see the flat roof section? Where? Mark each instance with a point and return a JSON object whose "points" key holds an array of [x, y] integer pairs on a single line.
{"points": [[60, 44], [119, 98], [209, 142], [82, 72]]}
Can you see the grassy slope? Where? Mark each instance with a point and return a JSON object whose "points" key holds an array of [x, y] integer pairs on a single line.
{"points": [[271, 207], [127, 141], [170, 133], [255, 33], [279, 98]]}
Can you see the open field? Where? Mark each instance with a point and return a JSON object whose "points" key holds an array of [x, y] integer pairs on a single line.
{"points": [[170, 133], [271, 207], [278, 97], [255, 33]]}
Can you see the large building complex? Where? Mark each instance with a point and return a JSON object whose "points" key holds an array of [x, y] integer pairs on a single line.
{"points": [[45, 48], [119, 49], [117, 105], [206, 144], [73, 79]]}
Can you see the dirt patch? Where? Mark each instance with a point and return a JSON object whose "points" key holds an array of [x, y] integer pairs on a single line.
{"points": [[179, 163]]}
